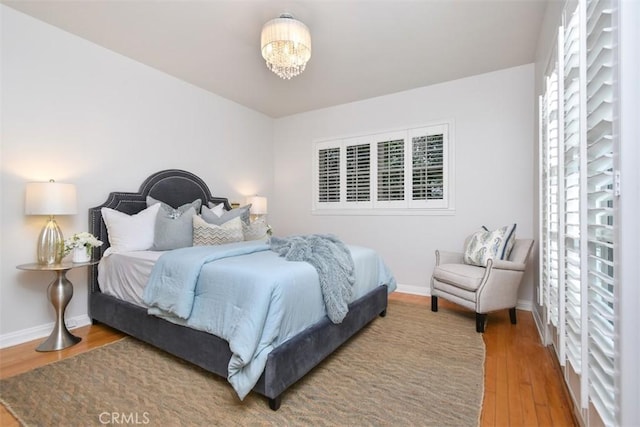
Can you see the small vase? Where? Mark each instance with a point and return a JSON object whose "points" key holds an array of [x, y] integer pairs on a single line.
{"points": [[81, 255]]}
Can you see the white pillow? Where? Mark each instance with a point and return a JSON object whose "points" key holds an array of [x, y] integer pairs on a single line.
{"points": [[218, 209], [205, 234], [130, 232]]}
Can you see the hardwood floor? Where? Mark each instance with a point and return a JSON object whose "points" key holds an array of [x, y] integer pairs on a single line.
{"points": [[522, 382], [523, 385]]}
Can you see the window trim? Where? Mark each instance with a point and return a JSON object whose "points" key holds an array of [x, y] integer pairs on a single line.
{"points": [[444, 206]]}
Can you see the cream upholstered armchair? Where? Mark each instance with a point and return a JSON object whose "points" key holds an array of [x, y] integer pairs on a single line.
{"points": [[481, 289]]}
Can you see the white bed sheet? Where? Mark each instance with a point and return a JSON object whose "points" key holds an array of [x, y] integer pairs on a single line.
{"points": [[125, 275]]}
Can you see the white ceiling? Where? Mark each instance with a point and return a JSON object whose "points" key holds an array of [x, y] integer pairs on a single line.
{"points": [[360, 48]]}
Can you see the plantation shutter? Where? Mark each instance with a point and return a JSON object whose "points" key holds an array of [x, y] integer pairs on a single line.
{"points": [[550, 237], [358, 164], [391, 170], [329, 175], [407, 172], [543, 287], [573, 168], [427, 167], [601, 52]]}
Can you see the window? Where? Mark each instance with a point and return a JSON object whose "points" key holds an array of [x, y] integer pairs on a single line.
{"points": [[407, 171], [579, 200]]}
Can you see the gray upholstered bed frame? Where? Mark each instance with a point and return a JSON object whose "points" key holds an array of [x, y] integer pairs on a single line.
{"points": [[286, 364]]}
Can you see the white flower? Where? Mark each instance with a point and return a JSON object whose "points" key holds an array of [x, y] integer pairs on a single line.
{"points": [[81, 240]]}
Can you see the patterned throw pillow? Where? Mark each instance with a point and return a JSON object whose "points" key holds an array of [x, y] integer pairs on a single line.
{"points": [[205, 234], [257, 230], [484, 245]]}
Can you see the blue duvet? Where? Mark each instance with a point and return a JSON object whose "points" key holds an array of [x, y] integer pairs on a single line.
{"points": [[249, 296]]}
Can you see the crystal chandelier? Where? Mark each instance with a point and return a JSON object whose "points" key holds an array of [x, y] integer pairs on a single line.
{"points": [[286, 46]]}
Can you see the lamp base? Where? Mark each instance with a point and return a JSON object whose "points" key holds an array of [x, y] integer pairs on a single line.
{"points": [[50, 244]]}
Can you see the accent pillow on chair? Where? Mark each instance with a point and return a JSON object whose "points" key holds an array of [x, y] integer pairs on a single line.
{"points": [[484, 245]]}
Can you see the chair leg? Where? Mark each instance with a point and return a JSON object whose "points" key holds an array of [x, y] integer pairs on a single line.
{"points": [[480, 321], [512, 315], [434, 303]]}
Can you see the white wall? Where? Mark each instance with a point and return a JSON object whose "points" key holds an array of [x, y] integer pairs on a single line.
{"points": [[494, 152], [81, 114]]}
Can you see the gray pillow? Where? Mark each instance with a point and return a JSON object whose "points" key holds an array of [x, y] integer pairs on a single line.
{"points": [[173, 233], [169, 211], [212, 218], [173, 228]]}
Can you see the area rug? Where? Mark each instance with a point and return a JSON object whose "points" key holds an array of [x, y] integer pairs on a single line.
{"points": [[412, 367]]}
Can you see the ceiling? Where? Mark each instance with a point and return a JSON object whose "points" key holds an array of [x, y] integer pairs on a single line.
{"points": [[360, 48]]}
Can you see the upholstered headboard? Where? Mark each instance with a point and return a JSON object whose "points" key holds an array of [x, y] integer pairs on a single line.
{"points": [[172, 186]]}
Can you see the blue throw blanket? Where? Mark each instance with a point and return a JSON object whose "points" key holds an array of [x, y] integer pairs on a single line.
{"points": [[331, 259]]}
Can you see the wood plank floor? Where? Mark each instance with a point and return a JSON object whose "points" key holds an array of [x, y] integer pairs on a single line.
{"points": [[523, 385]]}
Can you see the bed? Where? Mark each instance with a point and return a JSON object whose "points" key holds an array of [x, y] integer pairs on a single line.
{"points": [[285, 364]]}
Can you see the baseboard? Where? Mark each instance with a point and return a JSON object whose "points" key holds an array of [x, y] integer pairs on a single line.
{"points": [[540, 327], [421, 290], [525, 305], [413, 290], [36, 332], [30, 334]]}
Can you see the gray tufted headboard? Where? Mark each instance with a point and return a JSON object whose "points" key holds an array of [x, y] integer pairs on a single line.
{"points": [[172, 186]]}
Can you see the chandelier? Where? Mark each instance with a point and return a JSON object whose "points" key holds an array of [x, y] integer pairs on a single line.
{"points": [[286, 46]]}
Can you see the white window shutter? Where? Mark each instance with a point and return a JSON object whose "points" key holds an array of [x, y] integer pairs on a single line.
{"points": [[398, 172], [550, 237], [573, 171], [391, 170], [328, 180], [601, 60], [358, 173]]}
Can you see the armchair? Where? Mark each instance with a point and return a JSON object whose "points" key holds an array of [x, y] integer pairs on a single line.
{"points": [[481, 289]]}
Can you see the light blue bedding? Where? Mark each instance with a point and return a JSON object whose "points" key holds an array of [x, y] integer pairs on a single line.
{"points": [[251, 297], [172, 283]]}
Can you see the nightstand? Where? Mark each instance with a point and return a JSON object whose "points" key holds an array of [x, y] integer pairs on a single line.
{"points": [[60, 292]]}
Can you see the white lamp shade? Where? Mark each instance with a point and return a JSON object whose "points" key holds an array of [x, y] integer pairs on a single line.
{"points": [[286, 46], [258, 205], [50, 198]]}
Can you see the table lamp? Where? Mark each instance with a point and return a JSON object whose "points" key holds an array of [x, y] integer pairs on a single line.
{"points": [[258, 206], [50, 198]]}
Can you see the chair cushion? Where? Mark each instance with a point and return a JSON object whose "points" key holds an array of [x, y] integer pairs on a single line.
{"points": [[484, 245], [464, 276]]}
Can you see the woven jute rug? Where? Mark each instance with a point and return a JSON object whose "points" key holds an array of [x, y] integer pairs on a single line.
{"points": [[412, 367]]}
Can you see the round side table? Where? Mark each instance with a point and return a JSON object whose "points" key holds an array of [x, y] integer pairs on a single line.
{"points": [[59, 292]]}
